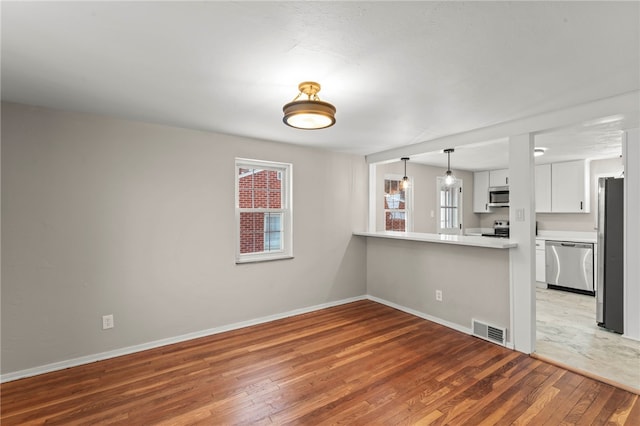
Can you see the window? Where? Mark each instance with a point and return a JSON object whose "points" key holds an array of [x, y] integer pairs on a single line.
{"points": [[396, 205], [263, 210], [449, 207]]}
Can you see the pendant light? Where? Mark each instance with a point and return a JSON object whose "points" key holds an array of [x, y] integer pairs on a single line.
{"points": [[310, 113], [405, 179], [449, 178]]}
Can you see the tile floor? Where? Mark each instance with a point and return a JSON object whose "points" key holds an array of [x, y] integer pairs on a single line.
{"points": [[567, 332]]}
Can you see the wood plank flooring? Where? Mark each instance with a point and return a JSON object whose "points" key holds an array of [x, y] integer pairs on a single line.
{"points": [[362, 363]]}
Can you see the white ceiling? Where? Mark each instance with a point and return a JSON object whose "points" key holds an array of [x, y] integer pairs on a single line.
{"points": [[399, 73], [591, 140]]}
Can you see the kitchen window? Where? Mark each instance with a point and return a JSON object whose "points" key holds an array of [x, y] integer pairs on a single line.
{"points": [[396, 205], [449, 206], [263, 211]]}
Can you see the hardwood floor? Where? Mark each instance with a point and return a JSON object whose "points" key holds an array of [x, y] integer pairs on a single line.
{"points": [[360, 363]]}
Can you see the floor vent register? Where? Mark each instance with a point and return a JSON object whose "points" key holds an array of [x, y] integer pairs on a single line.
{"points": [[488, 332]]}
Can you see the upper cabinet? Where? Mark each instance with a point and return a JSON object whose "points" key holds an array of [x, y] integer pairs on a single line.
{"points": [[560, 187], [499, 177], [543, 188], [481, 192], [570, 187]]}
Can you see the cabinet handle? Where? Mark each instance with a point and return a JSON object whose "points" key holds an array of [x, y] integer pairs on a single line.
{"points": [[580, 205], [507, 181], [486, 206]]}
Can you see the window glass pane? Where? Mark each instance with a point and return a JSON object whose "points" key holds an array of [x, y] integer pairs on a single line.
{"points": [[393, 201], [395, 221], [251, 232], [260, 198], [395, 205], [246, 198], [274, 199], [272, 231], [401, 199], [260, 178]]}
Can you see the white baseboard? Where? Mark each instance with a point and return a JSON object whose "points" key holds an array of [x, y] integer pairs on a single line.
{"points": [[216, 330], [626, 336], [168, 341], [422, 315]]}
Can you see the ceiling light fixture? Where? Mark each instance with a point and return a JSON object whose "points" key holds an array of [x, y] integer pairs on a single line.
{"points": [[449, 178], [310, 113], [538, 152], [405, 179]]}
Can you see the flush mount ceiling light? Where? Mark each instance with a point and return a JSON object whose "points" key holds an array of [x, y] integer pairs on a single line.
{"points": [[405, 179], [449, 178], [310, 113], [537, 152]]}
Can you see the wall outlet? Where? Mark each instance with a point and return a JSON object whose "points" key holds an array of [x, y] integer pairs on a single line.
{"points": [[107, 321], [439, 295]]}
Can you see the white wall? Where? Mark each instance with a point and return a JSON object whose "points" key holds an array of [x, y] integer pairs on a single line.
{"points": [[106, 216], [521, 229]]}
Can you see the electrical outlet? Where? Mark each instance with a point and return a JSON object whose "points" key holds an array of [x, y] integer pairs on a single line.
{"points": [[107, 321], [439, 295]]}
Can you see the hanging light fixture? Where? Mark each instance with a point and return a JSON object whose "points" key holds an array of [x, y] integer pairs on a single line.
{"points": [[449, 178], [405, 179], [310, 113]]}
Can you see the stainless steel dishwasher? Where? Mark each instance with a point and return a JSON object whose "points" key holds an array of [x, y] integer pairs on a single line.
{"points": [[569, 266]]}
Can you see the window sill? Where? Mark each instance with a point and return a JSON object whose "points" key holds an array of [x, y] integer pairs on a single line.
{"points": [[261, 259]]}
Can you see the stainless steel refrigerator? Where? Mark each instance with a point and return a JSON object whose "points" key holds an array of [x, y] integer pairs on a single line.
{"points": [[609, 307]]}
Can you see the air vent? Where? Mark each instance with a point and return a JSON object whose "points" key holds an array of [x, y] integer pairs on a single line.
{"points": [[488, 332]]}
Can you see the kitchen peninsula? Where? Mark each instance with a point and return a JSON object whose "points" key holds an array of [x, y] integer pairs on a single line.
{"points": [[411, 271]]}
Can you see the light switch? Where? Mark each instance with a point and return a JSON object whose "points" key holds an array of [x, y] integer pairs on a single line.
{"points": [[520, 215]]}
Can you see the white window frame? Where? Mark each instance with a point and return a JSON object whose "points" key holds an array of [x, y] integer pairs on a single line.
{"points": [[460, 191], [286, 173], [408, 202]]}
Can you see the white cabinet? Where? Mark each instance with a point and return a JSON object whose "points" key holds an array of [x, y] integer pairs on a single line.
{"points": [[543, 188], [570, 187], [481, 192], [540, 263], [499, 177]]}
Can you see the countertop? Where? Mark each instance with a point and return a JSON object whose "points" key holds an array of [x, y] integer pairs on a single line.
{"points": [[572, 236], [461, 240]]}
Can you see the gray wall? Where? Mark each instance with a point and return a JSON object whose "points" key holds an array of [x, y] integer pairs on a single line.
{"points": [[105, 216], [423, 184], [474, 280]]}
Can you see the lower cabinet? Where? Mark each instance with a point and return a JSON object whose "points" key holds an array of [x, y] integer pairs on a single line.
{"points": [[540, 264]]}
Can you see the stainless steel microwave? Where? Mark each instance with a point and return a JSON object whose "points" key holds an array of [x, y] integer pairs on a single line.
{"points": [[499, 196]]}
